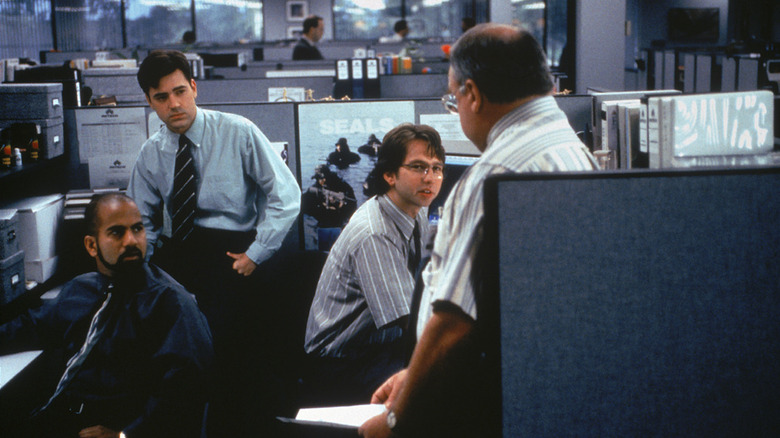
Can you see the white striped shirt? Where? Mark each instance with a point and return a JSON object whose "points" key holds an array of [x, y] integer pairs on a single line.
{"points": [[535, 137], [365, 284]]}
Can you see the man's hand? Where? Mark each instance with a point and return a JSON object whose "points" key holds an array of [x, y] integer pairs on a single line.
{"points": [[387, 393], [376, 427], [389, 390], [242, 264], [98, 432]]}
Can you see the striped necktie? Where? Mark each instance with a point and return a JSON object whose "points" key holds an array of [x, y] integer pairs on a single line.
{"points": [[183, 200]]}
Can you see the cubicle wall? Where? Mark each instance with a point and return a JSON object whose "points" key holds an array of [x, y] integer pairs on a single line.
{"points": [[408, 86], [636, 303], [309, 129]]}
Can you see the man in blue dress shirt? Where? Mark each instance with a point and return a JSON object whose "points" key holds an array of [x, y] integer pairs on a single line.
{"points": [[231, 201]]}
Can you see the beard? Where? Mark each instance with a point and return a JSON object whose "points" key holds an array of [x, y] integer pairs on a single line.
{"points": [[123, 267]]}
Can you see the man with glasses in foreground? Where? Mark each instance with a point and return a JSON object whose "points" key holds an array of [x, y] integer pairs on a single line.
{"points": [[360, 309], [501, 89]]}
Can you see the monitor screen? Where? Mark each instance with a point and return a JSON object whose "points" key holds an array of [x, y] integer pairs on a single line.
{"points": [[693, 24]]}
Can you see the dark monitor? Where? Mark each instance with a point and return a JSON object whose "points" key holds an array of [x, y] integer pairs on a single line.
{"points": [[639, 303], [691, 25]]}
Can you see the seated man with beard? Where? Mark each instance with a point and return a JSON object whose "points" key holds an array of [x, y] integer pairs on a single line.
{"points": [[139, 348]]}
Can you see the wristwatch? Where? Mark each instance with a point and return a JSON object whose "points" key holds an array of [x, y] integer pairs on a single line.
{"points": [[391, 420], [392, 423]]}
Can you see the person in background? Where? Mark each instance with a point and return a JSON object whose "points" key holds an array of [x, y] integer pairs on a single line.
{"points": [[501, 88], [306, 49], [343, 156], [139, 348], [231, 201], [359, 312], [188, 39], [400, 29]]}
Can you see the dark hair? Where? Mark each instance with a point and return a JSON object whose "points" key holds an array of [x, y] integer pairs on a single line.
{"points": [[98, 200], [161, 63], [392, 153], [400, 25], [505, 66], [344, 145], [188, 37], [309, 22]]}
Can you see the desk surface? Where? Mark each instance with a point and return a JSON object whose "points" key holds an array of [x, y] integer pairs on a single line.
{"points": [[13, 364]]}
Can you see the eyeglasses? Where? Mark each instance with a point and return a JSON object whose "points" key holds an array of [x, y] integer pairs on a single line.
{"points": [[423, 169], [450, 102]]}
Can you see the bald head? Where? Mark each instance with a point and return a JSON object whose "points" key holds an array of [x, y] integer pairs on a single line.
{"points": [[506, 63]]}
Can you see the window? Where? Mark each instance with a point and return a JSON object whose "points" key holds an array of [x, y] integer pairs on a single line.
{"points": [[155, 23], [546, 20], [88, 24], [427, 19], [25, 28], [229, 21]]}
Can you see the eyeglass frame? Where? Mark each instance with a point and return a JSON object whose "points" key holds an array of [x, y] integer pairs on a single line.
{"points": [[424, 169], [450, 102]]}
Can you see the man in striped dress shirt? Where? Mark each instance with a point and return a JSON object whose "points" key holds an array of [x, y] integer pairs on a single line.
{"points": [[360, 308], [501, 88]]}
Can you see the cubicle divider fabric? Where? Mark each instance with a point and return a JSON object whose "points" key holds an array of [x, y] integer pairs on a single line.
{"points": [[640, 303]]}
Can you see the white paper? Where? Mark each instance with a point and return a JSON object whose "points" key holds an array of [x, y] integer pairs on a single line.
{"points": [[351, 416], [111, 170], [13, 364], [109, 131], [452, 137]]}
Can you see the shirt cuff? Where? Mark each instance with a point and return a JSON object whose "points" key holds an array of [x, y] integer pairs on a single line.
{"points": [[258, 253]]}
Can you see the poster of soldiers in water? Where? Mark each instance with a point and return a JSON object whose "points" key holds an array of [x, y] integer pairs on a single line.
{"points": [[338, 145]]}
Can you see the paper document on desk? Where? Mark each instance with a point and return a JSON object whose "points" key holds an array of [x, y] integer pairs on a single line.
{"points": [[345, 416], [13, 364]]}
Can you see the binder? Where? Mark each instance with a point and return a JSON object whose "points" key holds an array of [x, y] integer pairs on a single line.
{"points": [[343, 85], [372, 88], [641, 159], [358, 66], [628, 133]]}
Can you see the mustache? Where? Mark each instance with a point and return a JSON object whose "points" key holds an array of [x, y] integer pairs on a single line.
{"points": [[131, 252]]}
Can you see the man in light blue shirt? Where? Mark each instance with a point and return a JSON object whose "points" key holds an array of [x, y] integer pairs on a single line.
{"points": [[231, 201]]}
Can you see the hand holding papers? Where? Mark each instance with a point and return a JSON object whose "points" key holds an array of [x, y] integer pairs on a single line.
{"points": [[340, 416]]}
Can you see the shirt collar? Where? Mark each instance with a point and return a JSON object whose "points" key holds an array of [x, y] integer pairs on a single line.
{"points": [[404, 223], [195, 133]]}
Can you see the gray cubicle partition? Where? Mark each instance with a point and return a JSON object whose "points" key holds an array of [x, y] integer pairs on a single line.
{"points": [[258, 69], [276, 120], [409, 86], [636, 303], [256, 90]]}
